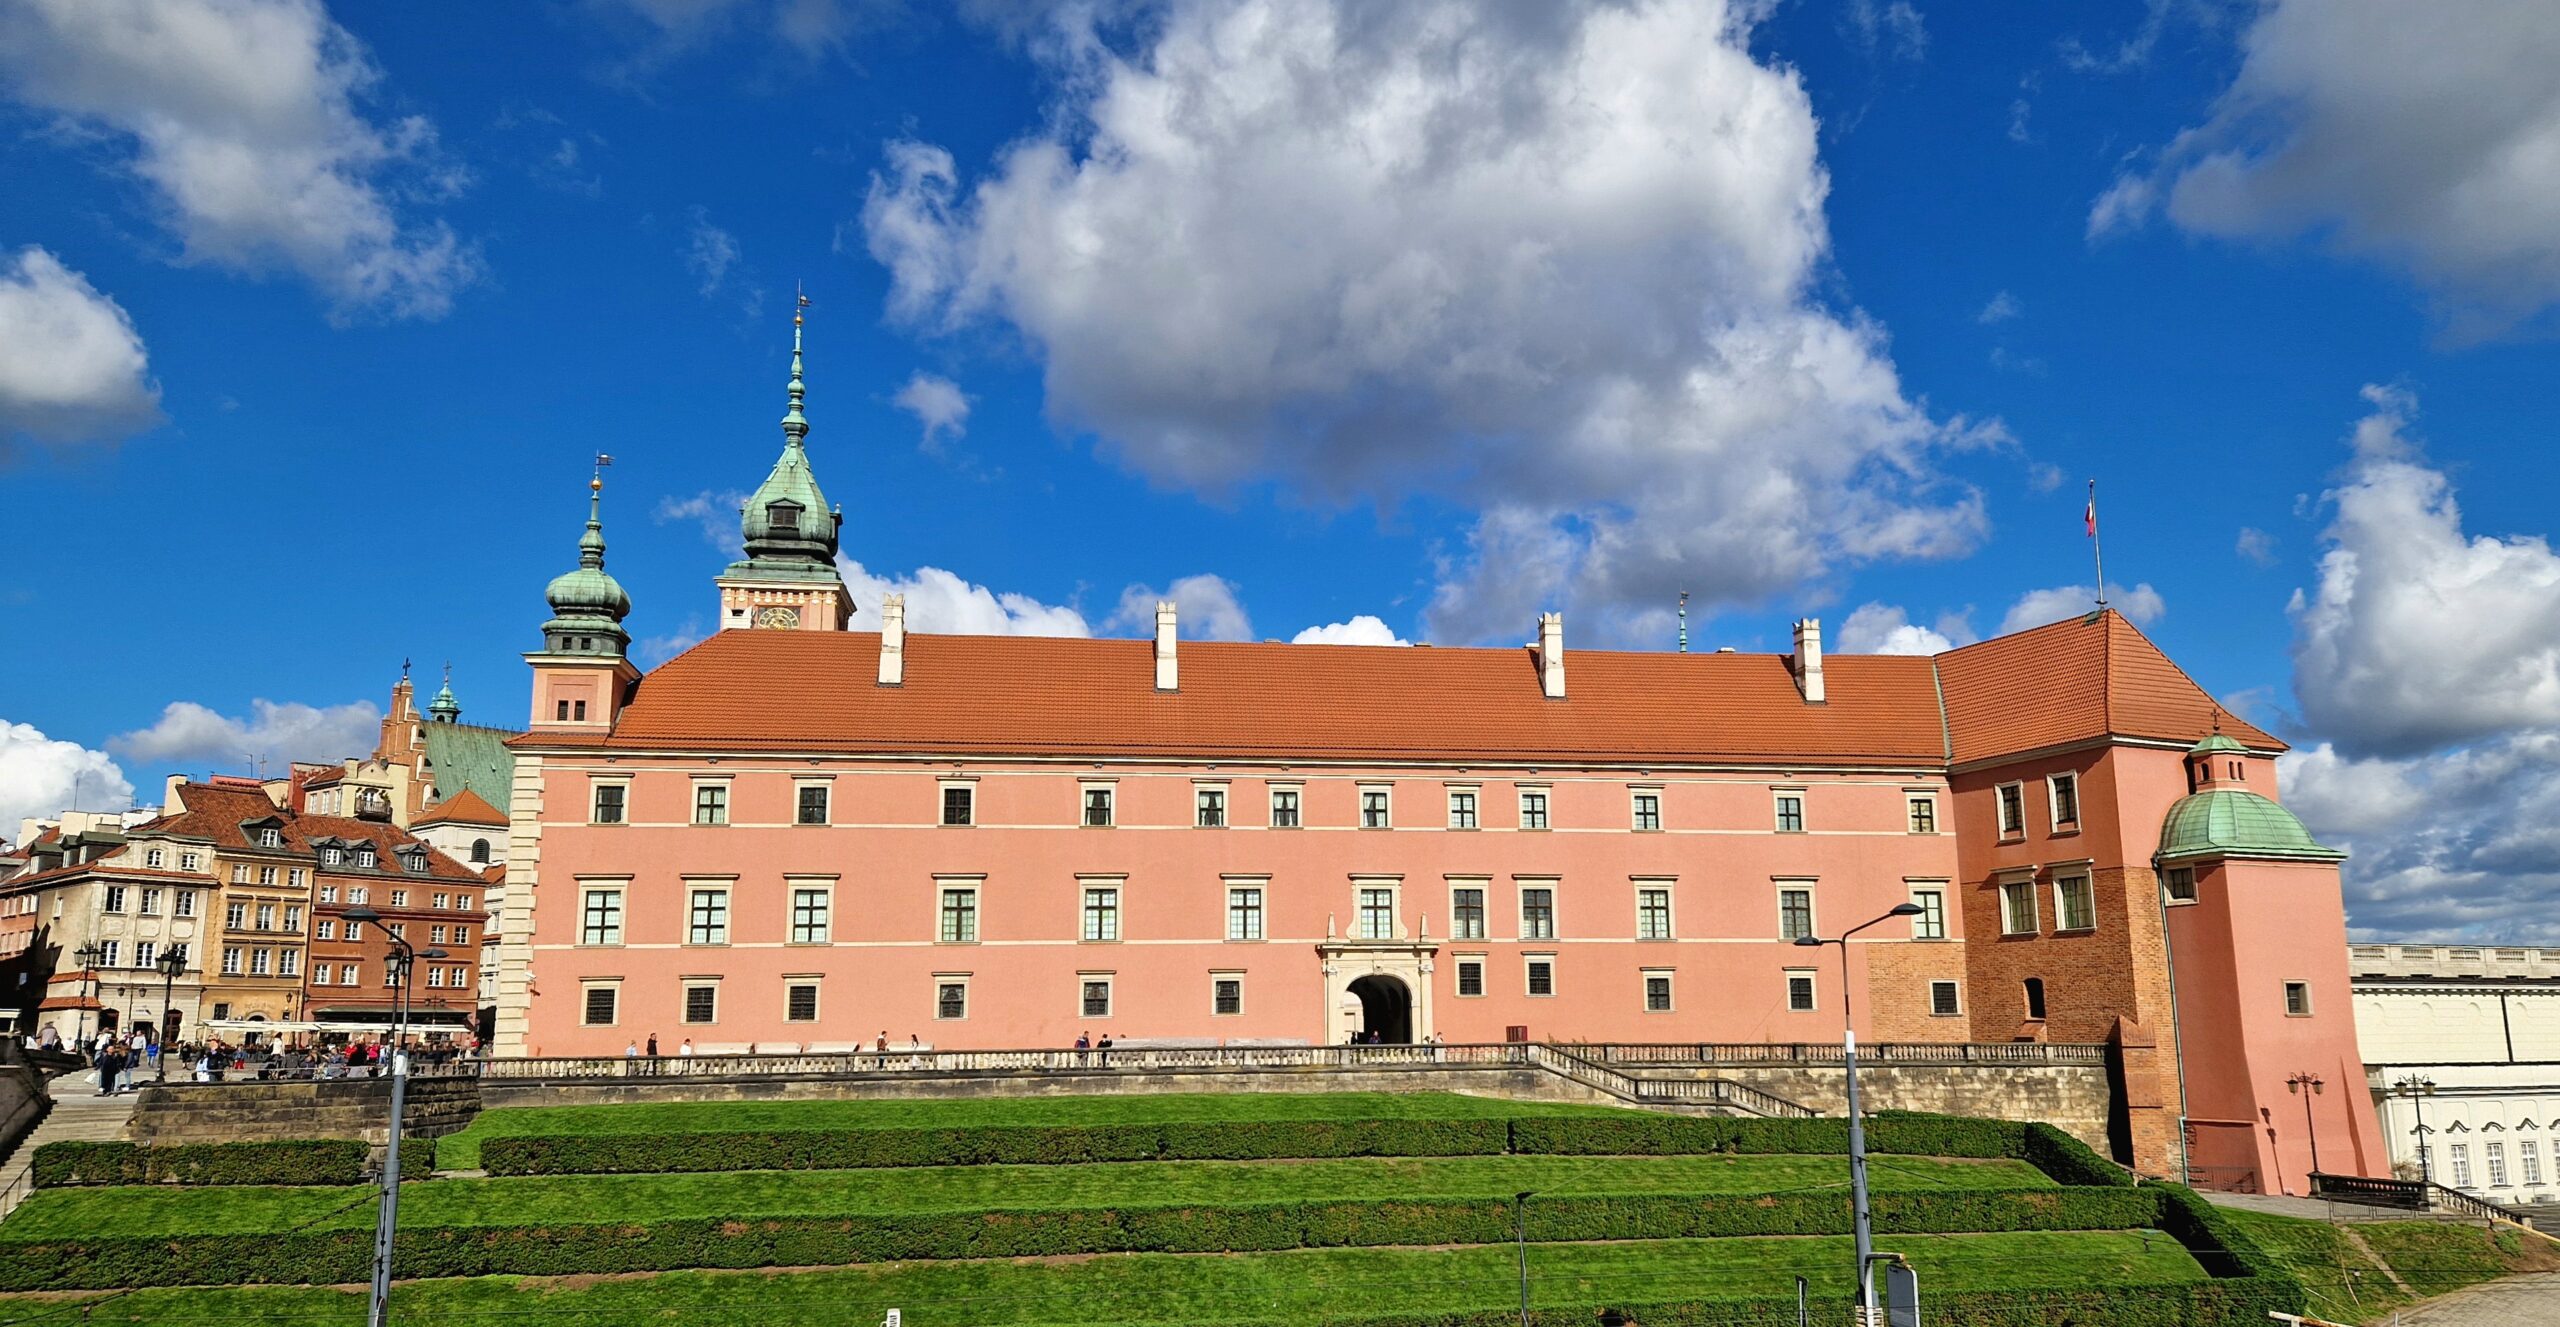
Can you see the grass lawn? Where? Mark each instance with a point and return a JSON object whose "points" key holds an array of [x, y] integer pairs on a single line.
{"points": [[461, 1151], [166, 1210], [2345, 1284], [2438, 1256], [1158, 1288]]}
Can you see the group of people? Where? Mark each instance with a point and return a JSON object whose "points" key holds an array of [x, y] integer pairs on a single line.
{"points": [[122, 1059]]}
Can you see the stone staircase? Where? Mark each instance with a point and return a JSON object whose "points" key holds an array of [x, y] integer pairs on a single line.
{"points": [[79, 1114]]}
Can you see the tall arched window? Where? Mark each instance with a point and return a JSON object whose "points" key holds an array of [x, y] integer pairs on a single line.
{"points": [[480, 852], [2035, 997]]}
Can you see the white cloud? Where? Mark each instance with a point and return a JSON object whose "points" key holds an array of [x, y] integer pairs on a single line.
{"points": [[810, 27], [1559, 263], [2417, 635], [937, 403], [2256, 545], [72, 367], [42, 776], [243, 121], [2390, 134], [716, 510], [2003, 307], [1895, 28], [2461, 846], [938, 601], [2140, 605], [188, 733], [1205, 607], [1876, 628], [709, 252], [1362, 629]]}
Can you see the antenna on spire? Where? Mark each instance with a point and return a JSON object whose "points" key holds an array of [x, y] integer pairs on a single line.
{"points": [[1684, 621], [795, 425]]}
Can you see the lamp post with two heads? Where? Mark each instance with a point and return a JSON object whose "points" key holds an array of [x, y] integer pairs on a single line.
{"points": [[88, 954], [2298, 1085], [2417, 1088], [1862, 1227], [403, 960], [173, 960]]}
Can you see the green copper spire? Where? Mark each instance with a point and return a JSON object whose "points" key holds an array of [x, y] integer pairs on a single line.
{"points": [[786, 521], [588, 605], [795, 425], [444, 708]]}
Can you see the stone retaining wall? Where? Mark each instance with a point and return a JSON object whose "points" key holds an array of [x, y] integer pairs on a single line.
{"points": [[2072, 1098], [1513, 1081], [330, 1108]]}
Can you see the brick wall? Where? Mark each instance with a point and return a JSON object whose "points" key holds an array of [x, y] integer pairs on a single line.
{"points": [[1897, 998], [336, 1108]]}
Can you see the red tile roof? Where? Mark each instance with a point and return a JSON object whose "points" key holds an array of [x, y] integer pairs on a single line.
{"points": [[384, 838], [1017, 695], [463, 808], [2074, 680], [215, 814]]}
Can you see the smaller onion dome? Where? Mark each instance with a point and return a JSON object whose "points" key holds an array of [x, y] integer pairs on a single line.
{"points": [[588, 604], [444, 708]]}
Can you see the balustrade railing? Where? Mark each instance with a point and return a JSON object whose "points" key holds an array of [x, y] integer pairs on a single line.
{"points": [[2370, 1191], [895, 1060], [1818, 1054]]}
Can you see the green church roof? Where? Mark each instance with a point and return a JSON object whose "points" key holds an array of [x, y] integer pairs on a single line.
{"points": [[462, 755], [2216, 742], [2230, 822]]}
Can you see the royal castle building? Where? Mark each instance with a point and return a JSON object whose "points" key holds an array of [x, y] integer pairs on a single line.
{"points": [[797, 835]]}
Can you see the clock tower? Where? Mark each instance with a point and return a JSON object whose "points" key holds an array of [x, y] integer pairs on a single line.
{"points": [[788, 579]]}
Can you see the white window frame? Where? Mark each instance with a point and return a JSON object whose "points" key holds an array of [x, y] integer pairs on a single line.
{"points": [[1259, 914], [1646, 977], [2009, 918], [1955, 988], [1483, 887], [1361, 886], [817, 985], [684, 1002], [2494, 1154], [1812, 905], [1638, 812], [2088, 890], [2460, 1156], [1457, 979], [1554, 887], [727, 891], [1911, 803], [1109, 981], [595, 801], [1297, 795], [2292, 984], [801, 784], [1217, 975], [1210, 804], [586, 990], [1110, 790], [944, 979], [822, 886], [2001, 796], [942, 790], [1473, 809], [944, 886], [2168, 886], [1387, 811], [1545, 811], [2053, 801], [1670, 907], [1529, 964], [619, 888], [1110, 917], [724, 810], [1778, 798], [1812, 978], [1929, 925]]}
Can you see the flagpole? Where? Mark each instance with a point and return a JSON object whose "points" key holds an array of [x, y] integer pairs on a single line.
{"points": [[2096, 551]]}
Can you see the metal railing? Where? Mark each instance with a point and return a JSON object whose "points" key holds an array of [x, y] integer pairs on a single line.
{"points": [[1660, 1091], [2409, 1195], [15, 1190], [1820, 1054]]}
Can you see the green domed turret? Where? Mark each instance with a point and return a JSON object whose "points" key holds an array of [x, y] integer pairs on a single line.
{"points": [[588, 605], [444, 708], [787, 520], [2220, 820]]}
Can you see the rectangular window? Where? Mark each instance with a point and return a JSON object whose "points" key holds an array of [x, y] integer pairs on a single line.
{"points": [[950, 998], [959, 916], [1942, 1000], [1795, 913], [1791, 813], [609, 812], [1284, 808], [1648, 810], [1924, 814], [350, 974], [2496, 1155], [399, 898], [186, 904], [1657, 992], [2075, 904], [959, 804], [231, 960], [1542, 975], [2013, 810], [1462, 808], [2018, 907], [1537, 913], [440, 901], [1226, 995], [355, 932], [701, 1003], [1653, 913], [1533, 808], [1097, 807], [360, 894], [462, 935], [813, 804], [235, 916], [2461, 1156], [154, 858], [1470, 976], [709, 921], [1377, 913], [324, 929], [2064, 791], [266, 877], [1101, 913], [2297, 999], [1244, 913], [289, 963], [1800, 990], [328, 894], [1095, 998], [602, 922], [435, 976], [151, 901], [2529, 1155], [294, 877], [239, 874], [144, 952], [293, 918], [1209, 808], [462, 901], [800, 1002], [435, 935], [602, 1003], [115, 899], [1373, 808], [812, 919], [2178, 883], [1466, 913], [711, 804], [1931, 924], [390, 976]]}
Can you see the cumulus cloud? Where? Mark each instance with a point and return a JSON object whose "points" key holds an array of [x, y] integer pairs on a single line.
{"points": [[715, 510], [2003, 307], [2256, 545], [1205, 608], [72, 368], [1895, 28], [937, 403], [810, 27], [2390, 134], [1362, 629], [241, 117], [42, 776], [2417, 635], [709, 252], [1877, 628], [189, 733], [939, 601], [1559, 263], [2140, 605], [2461, 846]]}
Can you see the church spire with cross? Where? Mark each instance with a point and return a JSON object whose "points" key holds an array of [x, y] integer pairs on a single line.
{"points": [[788, 578]]}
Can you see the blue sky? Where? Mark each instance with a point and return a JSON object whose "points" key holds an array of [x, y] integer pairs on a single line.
{"points": [[1433, 316]]}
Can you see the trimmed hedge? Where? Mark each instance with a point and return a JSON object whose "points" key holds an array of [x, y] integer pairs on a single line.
{"points": [[1038, 1145], [299, 1161], [343, 1254], [2242, 1303]]}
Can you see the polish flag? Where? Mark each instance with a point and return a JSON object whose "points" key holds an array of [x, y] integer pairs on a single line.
{"points": [[2089, 518]]}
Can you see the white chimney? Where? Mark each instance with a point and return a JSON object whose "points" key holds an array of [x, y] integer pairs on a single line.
{"points": [[893, 640], [1165, 677], [1551, 655], [1809, 660]]}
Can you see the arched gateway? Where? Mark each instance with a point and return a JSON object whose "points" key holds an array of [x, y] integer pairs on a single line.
{"points": [[1386, 1009]]}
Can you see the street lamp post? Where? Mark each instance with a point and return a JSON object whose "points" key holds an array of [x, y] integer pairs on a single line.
{"points": [[1862, 1227], [173, 960], [88, 954], [2417, 1088], [402, 958], [2295, 1085]]}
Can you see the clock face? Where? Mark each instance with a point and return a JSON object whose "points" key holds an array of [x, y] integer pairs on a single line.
{"points": [[777, 617]]}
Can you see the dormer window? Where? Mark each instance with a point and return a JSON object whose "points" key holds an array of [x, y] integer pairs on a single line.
{"points": [[365, 858], [332, 856], [270, 838], [784, 517]]}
